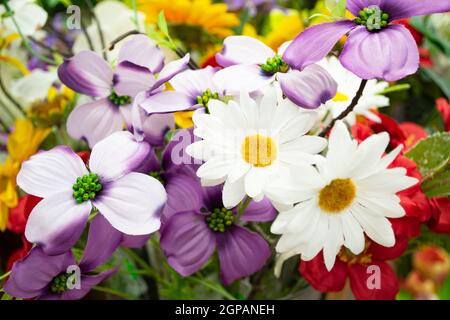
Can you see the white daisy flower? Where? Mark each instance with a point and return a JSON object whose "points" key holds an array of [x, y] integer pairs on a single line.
{"points": [[348, 84], [351, 193], [254, 147]]}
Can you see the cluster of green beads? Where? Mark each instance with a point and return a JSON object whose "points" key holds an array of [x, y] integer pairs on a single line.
{"points": [[373, 18], [119, 100], [59, 283], [274, 65], [86, 187], [220, 219], [206, 96]]}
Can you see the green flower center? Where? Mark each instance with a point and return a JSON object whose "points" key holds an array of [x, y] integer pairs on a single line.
{"points": [[59, 283], [206, 96], [373, 18], [220, 219], [274, 65], [119, 100], [86, 187]]}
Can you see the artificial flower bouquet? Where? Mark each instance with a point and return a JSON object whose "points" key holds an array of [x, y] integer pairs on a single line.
{"points": [[197, 149]]}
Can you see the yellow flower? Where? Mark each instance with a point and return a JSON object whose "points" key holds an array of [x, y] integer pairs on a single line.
{"points": [[21, 144], [212, 18], [5, 42], [51, 110], [282, 27], [183, 119]]}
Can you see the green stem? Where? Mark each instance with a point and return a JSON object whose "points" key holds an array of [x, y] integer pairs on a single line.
{"points": [[3, 276], [243, 206], [216, 287], [113, 292], [25, 39], [144, 265], [396, 88]]}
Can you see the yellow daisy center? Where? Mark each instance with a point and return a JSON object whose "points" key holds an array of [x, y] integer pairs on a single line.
{"points": [[260, 151], [337, 196], [340, 97]]}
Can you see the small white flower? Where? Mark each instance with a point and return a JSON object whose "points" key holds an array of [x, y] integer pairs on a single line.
{"points": [[348, 84], [350, 193], [254, 147], [29, 16]]}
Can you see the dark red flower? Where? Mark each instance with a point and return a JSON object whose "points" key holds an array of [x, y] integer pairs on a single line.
{"points": [[84, 155], [18, 216], [19, 253], [443, 107], [440, 215]]}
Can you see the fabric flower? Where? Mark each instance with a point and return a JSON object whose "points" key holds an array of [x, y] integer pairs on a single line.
{"points": [[375, 48], [129, 201], [89, 74], [348, 84], [55, 277], [254, 147], [197, 224], [251, 65], [351, 193]]}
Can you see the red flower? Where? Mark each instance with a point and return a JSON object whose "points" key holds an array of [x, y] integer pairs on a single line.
{"points": [[359, 270], [18, 216], [440, 215], [19, 253], [211, 61], [443, 107], [84, 155]]}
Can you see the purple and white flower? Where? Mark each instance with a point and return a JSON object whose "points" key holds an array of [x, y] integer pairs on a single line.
{"points": [[375, 48], [251, 65], [130, 201], [197, 224], [87, 73]]}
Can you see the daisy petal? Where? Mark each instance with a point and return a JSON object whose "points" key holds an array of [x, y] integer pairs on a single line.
{"points": [[377, 228]]}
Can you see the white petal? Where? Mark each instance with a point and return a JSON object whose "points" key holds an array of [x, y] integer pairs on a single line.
{"points": [[215, 168], [353, 233], [50, 172], [56, 223], [132, 203], [117, 155], [333, 242], [233, 193]]}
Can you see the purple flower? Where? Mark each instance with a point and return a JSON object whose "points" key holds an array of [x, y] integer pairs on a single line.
{"points": [[196, 223], [60, 277], [251, 65], [375, 47], [130, 201], [87, 73]]}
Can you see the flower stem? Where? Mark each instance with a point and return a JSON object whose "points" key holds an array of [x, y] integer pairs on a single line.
{"points": [[243, 206], [144, 265], [213, 286], [3, 276], [99, 28], [347, 111], [113, 292], [113, 43]]}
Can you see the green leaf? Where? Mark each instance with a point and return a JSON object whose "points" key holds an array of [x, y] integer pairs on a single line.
{"points": [[432, 154], [162, 24], [336, 7], [404, 295], [442, 83], [439, 185], [444, 291]]}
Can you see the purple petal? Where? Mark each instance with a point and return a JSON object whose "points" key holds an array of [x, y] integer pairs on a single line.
{"points": [[117, 155], [50, 172], [94, 121], [87, 282], [175, 155], [102, 241], [313, 44], [259, 211], [390, 54], [243, 50], [31, 276], [57, 222], [134, 241], [308, 88], [243, 77], [194, 82], [150, 163], [241, 253], [142, 51], [171, 70], [87, 73], [130, 79], [354, 6], [132, 204], [184, 193], [166, 102], [156, 126], [187, 242]]}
